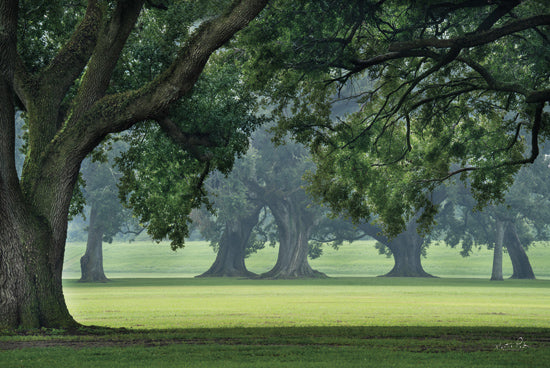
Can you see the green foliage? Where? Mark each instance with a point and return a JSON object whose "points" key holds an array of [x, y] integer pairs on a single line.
{"points": [[414, 118], [162, 192]]}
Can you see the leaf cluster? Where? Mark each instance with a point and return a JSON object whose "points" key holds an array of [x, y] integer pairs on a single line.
{"points": [[162, 182]]}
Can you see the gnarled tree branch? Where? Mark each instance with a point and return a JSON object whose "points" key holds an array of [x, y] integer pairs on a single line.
{"points": [[476, 38]]}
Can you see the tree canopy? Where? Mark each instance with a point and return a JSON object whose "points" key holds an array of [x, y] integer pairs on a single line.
{"points": [[437, 89]]}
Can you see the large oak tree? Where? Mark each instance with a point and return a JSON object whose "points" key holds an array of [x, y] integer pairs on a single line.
{"points": [[70, 110]]}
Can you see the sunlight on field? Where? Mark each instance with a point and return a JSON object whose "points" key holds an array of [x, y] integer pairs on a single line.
{"points": [[194, 303], [153, 287]]}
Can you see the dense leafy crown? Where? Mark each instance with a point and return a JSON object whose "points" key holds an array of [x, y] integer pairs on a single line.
{"points": [[395, 97]]}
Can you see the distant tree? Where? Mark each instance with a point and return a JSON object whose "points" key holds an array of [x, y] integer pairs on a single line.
{"points": [[231, 229], [407, 249], [107, 217], [520, 220], [278, 184]]}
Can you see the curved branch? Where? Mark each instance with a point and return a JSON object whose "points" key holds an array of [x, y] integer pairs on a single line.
{"points": [[188, 142], [184, 72], [118, 112], [494, 84], [362, 64], [535, 130], [474, 39], [497, 14], [112, 39], [70, 61]]}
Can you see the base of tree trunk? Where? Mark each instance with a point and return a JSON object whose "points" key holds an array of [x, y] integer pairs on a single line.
{"points": [[229, 273], [394, 273], [95, 279], [522, 277], [294, 274]]}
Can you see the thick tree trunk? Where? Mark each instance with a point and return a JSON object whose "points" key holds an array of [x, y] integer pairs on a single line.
{"points": [[496, 274], [406, 249], [91, 263], [232, 247], [294, 225], [30, 275], [520, 261], [31, 293]]}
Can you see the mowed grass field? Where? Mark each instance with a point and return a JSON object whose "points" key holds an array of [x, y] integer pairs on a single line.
{"points": [[353, 319]]}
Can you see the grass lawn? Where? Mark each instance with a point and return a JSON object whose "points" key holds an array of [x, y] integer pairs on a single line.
{"points": [[211, 303], [165, 318]]}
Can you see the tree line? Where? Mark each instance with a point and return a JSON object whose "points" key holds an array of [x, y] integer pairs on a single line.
{"points": [[263, 201]]}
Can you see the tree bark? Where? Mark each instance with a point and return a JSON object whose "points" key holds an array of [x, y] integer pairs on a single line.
{"points": [[31, 293], [520, 262], [294, 224], [496, 274], [91, 263], [406, 249], [230, 260]]}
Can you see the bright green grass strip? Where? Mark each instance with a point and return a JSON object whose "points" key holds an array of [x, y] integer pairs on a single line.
{"points": [[211, 303], [147, 259]]}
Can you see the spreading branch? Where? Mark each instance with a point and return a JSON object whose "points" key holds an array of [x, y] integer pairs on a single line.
{"points": [[474, 39], [188, 142], [112, 38], [115, 113]]}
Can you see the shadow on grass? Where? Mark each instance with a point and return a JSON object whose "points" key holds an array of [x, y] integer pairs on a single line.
{"points": [[419, 339]]}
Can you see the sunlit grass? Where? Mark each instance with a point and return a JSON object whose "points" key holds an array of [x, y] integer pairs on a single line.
{"points": [[212, 303]]}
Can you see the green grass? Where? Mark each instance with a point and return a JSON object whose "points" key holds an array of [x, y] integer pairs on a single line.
{"points": [[211, 303], [285, 347], [359, 259], [352, 319], [288, 348]]}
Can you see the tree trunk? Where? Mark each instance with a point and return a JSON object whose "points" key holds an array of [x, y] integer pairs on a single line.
{"points": [[232, 247], [31, 293], [520, 261], [497, 254], [294, 224], [406, 249], [91, 263]]}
